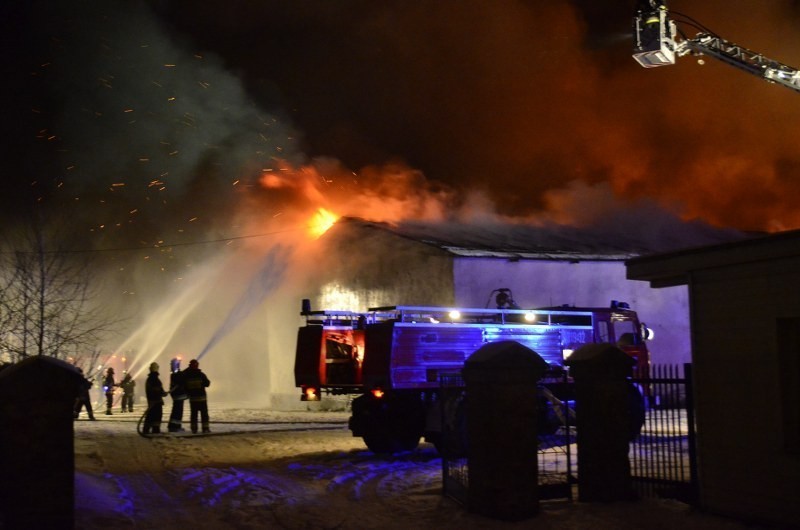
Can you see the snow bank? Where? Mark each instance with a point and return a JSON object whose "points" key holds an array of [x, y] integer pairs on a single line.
{"points": [[304, 470]]}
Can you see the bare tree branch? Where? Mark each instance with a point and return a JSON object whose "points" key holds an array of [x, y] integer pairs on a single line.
{"points": [[49, 297]]}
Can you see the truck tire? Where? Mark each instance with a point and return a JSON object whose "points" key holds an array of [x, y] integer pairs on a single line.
{"points": [[389, 442], [389, 424]]}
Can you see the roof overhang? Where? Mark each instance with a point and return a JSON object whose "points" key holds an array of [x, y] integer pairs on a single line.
{"points": [[515, 255], [675, 268]]}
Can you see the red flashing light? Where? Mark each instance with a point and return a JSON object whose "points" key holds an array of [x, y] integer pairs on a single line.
{"points": [[310, 394], [377, 393]]}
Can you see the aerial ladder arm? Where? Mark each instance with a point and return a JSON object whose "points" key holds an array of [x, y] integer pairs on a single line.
{"points": [[655, 44]]}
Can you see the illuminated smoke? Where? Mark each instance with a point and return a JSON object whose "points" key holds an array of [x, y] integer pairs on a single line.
{"points": [[154, 339], [260, 288], [506, 102], [518, 99]]}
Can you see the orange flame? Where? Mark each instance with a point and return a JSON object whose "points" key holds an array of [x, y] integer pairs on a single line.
{"points": [[321, 221]]}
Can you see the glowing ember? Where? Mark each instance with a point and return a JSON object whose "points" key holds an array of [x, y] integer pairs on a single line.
{"points": [[321, 221]]}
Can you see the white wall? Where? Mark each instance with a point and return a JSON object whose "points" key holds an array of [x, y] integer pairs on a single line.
{"points": [[538, 283], [745, 387]]}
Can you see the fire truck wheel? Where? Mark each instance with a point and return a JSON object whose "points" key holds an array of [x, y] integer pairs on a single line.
{"points": [[384, 442], [389, 424]]}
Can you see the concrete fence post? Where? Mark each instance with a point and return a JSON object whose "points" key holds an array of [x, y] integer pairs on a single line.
{"points": [[37, 455], [501, 417], [602, 405]]}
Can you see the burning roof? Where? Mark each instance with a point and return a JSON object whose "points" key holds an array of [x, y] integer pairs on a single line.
{"points": [[549, 242]]}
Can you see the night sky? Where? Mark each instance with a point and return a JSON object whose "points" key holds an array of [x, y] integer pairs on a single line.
{"points": [[176, 120]]}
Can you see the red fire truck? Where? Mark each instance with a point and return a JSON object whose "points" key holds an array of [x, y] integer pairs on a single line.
{"points": [[392, 357]]}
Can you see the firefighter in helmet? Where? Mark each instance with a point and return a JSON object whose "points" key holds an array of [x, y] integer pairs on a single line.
{"points": [[128, 385], [154, 390], [83, 399], [196, 382], [177, 392], [108, 388]]}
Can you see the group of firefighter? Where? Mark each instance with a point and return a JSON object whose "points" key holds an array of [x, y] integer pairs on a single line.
{"points": [[189, 384]]}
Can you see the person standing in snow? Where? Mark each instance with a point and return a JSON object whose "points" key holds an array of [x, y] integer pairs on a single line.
{"points": [[178, 394], [154, 391], [108, 387], [128, 385], [196, 382], [83, 399]]}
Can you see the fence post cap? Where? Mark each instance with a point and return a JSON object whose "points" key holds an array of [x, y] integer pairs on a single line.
{"points": [[600, 359]]}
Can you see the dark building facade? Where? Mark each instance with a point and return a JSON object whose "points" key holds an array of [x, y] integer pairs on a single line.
{"points": [[744, 300]]}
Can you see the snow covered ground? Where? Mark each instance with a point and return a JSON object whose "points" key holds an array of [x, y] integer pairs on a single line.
{"points": [[300, 470]]}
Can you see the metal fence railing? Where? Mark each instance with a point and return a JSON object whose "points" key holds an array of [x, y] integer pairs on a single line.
{"points": [[662, 456], [557, 447], [556, 470], [455, 472]]}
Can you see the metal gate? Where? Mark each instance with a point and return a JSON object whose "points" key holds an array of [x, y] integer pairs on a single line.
{"points": [[455, 471], [556, 470], [557, 446], [663, 456]]}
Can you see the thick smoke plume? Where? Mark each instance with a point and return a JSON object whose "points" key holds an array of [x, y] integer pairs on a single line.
{"points": [[517, 99]]}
